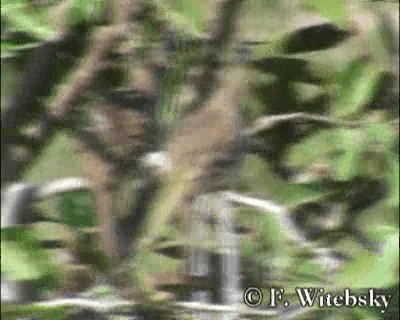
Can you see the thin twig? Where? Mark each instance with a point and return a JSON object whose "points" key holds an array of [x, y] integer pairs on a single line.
{"points": [[269, 206], [269, 122]]}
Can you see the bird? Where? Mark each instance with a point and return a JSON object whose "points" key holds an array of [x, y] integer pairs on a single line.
{"points": [[203, 152], [209, 141], [120, 128], [201, 155]]}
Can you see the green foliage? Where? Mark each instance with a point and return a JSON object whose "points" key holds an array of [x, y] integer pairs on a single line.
{"points": [[85, 11], [58, 160], [372, 271], [185, 16], [306, 272], [313, 38], [298, 194], [12, 252], [25, 19], [14, 312], [188, 13], [77, 209], [298, 70], [272, 234], [357, 86], [334, 10], [22, 256], [17, 16], [10, 48], [154, 263], [171, 83]]}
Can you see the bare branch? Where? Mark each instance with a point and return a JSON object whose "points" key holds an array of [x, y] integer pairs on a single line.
{"points": [[269, 122], [269, 206], [54, 188], [106, 306], [16, 199], [15, 204], [323, 256]]}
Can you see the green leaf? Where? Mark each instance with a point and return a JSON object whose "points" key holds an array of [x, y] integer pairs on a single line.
{"points": [[77, 209], [11, 48], [376, 140], [315, 147], [190, 10], [248, 247], [374, 271], [379, 133], [338, 148], [84, 11], [272, 234], [145, 265], [304, 272], [334, 10], [346, 163], [23, 18], [294, 195], [378, 220], [357, 86], [256, 174], [185, 15], [156, 263], [313, 38], [23, 258], [58, 160], [354, 274], [15, 262], [296, 69]]}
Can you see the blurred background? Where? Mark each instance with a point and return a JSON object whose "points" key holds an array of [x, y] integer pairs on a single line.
{"points": [[320, 119]]}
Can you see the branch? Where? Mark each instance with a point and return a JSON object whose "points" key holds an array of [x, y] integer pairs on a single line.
{"points": [[16, 198], [15, 204], [221, 32], [54, 188], [268, 206], [269, 122], [107, 306], [35, 82], [81, 79], [323, 256]]}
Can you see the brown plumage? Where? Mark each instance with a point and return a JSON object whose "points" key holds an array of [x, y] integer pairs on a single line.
{"points": [[208, 142]]}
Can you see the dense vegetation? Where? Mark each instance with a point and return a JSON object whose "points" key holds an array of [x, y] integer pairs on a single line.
{"points": [[330, 68]]}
